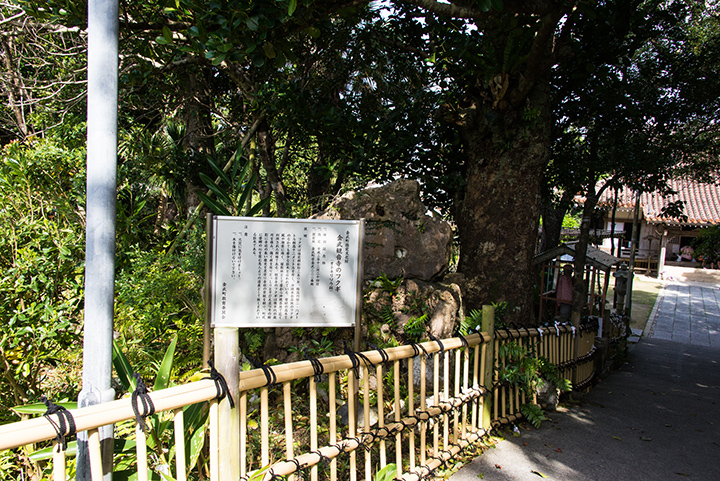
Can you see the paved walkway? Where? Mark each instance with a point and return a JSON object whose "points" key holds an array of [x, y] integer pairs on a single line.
{"points": [[687, 313], [658, 417]]}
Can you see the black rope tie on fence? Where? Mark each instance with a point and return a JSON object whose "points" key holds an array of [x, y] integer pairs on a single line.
{"points": [[355, 359], [373, 436], [524, 328], [478, 331], [443, 462], [276, 477], [317, 366], [416, 348], [270, 376], [464, 341], [221, 385], [430, 472], [65, 425], [383, 355], [439, 342], [141, 393]]}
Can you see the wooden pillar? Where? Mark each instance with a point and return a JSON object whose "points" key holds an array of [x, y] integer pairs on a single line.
{"points": [[663, 252], [488, 325]]}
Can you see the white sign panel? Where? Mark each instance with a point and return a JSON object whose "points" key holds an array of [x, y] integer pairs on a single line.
{"points": [[284, 272]]}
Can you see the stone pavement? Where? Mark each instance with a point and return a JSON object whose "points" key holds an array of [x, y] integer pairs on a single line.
{"points": [[658, 417], [687, 313]]}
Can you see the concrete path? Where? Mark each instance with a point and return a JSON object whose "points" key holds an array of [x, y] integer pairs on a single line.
{"points": [[687, 313], [658, 417]]}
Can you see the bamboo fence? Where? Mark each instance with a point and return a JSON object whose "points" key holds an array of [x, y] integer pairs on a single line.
{"points": [[417, 406]]}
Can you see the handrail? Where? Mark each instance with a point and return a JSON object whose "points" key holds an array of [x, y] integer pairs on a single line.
{"points": [[39, 429]]}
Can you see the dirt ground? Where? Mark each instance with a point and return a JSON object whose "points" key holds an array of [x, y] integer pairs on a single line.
{"points": [[645, 291]]}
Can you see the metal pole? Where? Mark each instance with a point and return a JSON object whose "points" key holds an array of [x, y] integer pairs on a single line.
{"points": [[100, 230]]}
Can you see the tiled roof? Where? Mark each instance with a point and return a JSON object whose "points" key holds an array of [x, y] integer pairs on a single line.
{"points": [[702, 202]]}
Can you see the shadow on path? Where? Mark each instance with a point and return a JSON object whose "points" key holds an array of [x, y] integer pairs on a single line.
{"points": [[658, 417]]}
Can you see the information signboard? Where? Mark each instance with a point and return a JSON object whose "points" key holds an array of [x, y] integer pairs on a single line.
{"points": [[284, 272]]}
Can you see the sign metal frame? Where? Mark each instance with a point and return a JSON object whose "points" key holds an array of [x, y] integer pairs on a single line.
{"points": [[271, 272]]}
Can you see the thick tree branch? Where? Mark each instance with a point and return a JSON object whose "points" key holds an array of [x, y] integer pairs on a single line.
{"points": [[535, 65], [447, 9]]}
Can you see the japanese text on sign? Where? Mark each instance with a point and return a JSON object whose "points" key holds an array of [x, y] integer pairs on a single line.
{"points": [[282, 272]]}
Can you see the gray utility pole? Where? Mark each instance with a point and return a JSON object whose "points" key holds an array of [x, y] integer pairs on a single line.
{"points": [[100, 231]]}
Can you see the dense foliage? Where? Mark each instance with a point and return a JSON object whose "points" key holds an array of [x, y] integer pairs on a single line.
{"points": [[488, 103], [41, 251]]}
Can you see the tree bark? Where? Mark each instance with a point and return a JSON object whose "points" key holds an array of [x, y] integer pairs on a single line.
{"points": [[12, 87], [199, 130], [500, 209], [318, 183], [266, 153]]}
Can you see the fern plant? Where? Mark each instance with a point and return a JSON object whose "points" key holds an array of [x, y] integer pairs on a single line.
{"points": [[527, 371], [471, 322], [415, 328], [386, 284]]}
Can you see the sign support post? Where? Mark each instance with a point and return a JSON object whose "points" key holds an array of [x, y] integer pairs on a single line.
{"points": [[359, 294], [266, 272], [227, 362]]}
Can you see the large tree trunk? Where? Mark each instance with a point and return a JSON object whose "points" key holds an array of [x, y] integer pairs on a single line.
{"points": [[499, 213], [197, 111], [266, 152]]}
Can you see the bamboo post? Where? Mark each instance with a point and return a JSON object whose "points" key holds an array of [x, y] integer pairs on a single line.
{"points": [[423, 409], [479, 380], [141, 450], [504, 390], [214, 441], [264, 428], [352, 418], [488, 326], [227, 362], [287, 401], [576, 352], [313, 426], [243, 432], [59, 472], [95, 454], [411, 410], [465, 353], [592, 291], [398, 436], [381, 412], [333, 423], [366, 420], [446, 396], [456, 415], [179, 425], [436, 401]]}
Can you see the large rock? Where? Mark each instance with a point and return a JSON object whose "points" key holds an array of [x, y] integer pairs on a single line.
{"points": [[440, 302], [401, 238]]}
